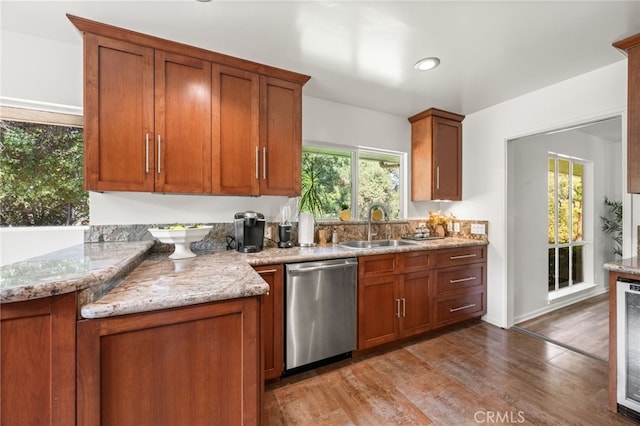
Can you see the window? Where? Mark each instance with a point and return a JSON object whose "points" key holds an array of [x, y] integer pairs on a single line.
{"points": [[334, 178], [565, 221], [41, 169]]}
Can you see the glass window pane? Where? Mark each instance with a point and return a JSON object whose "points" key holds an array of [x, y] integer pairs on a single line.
{"points": [[41, 175], [563, 201], [577, 274], [551, 194], [576, 211], [379, 182], [552, 269], [563, 267], [326, 181]]}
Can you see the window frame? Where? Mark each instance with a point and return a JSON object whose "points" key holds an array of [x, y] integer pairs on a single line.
{"points": [[355, 151], [556, 245]]}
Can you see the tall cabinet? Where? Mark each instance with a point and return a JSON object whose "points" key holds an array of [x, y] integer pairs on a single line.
{"points": [[631, 45], [161, 116], [436, 155]]}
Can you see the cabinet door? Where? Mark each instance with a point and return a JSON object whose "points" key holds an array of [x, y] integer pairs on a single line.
{"points": [[272, 320], [197, 365], [633, 129], [183, 124], [37, 365], [280, 137], [415, 312], [447, 159], [378, 310], [118, 114], [236, 108]]}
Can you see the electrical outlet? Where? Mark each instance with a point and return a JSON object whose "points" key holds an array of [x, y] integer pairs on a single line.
{"points": [[267, 232], [422, 225], [478, 228], [456, 227], [449, 227]]}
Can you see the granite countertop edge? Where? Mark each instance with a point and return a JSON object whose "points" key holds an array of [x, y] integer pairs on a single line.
{"points": [[23, 291], [628, 266]]}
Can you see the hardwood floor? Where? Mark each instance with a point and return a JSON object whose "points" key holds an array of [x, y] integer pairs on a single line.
{"points": [[475, 374], [583, 326]]}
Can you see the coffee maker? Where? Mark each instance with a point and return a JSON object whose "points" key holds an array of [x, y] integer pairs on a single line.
{"points": [[249, 230]]}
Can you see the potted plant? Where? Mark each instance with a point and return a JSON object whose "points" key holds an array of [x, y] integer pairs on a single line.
{"points": [[612, 224]]}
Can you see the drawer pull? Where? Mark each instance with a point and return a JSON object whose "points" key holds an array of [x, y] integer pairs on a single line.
{"points": [[462, 307], [266, 271], [464, 256], [461, 280]]}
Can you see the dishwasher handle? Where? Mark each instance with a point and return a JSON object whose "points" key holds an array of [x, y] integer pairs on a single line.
{"points": [[299, 268]]}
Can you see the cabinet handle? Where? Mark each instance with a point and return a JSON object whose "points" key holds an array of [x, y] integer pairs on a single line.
{"points": [[257, 161], [397, 312], [462, 307], [404, 307], [461, 280], [464, 256], [146, 154], [437, 177], [264, 163], [159, 151], [266, 271]]}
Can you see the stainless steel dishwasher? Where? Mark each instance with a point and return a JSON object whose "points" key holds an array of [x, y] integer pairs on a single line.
{"points": [[320, 314]]}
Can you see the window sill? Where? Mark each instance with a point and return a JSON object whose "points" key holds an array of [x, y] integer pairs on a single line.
{"points": [[569, 291]]}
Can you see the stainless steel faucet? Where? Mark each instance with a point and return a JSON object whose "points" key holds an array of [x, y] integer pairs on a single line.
{"points": [[386, 217]]}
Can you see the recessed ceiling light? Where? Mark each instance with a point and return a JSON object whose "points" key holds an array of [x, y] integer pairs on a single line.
{"points": [[427, 64]]}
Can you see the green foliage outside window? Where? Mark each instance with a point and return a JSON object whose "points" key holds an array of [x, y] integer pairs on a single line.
{"points": [[327, 182], [41, 175]]}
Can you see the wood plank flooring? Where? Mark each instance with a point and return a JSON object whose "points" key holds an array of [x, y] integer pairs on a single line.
{"points": [[583, 326], [474, 374]]}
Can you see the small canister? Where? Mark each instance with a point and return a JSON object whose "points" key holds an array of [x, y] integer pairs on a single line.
{"points": [[334, 237]]}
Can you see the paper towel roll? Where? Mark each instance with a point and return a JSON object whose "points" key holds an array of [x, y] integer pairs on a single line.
{"points": [[305, 229]]}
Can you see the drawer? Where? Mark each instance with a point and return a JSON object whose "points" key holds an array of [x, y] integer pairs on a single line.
{"points": [[454, 309], [416, 261], [372, 266], [460, 278], [460, 256]]}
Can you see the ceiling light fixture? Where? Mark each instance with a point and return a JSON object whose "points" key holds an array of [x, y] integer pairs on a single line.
{"points": [[427, 64]]}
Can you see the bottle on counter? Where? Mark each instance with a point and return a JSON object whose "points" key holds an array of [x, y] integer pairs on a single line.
{"points": [[334, 237]]}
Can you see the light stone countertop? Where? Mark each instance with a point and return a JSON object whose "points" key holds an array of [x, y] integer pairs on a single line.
{"points": [[627, 266], [159, 282], [72, 269]]}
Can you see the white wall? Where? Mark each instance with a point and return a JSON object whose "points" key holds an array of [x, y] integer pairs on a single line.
{"points": [[41, 70], [528, 206], [17, 244], [598, 94]]}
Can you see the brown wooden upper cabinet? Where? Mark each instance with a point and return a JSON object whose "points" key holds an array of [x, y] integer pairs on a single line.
{"points": [[631, 45], [436, 155], [167, 117]]}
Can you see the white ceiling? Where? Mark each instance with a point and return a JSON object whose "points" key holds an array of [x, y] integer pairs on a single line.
{"points": [[362, 53]]}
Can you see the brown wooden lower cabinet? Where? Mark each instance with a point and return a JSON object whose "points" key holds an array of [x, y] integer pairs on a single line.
{"points": [[391, 303], [193, 365], [37, 365], [406, 294], [272, 320]]}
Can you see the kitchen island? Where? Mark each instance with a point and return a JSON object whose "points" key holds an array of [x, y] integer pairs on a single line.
{"points": [[147, 325]]}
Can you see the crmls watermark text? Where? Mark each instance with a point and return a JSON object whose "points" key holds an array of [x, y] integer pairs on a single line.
{"points": [[514, 417]]}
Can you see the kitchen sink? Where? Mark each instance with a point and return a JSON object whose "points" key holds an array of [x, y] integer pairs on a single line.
{"points": [[364, 244]]}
